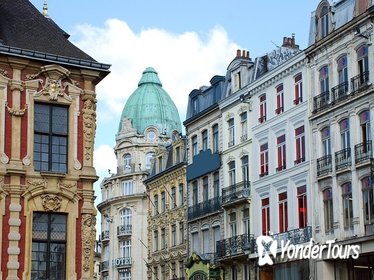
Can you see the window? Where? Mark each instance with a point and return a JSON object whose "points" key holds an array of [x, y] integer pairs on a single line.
{"points": [[173, 203], [206, 248], [265, 213], [155, 240], [215, 138], [368, 200], [173, 271], [194, 145], [281, 151], [298, 89], [324, 21], [163, 202], [245, 170], [264, 158], [149, 157], [181, 197], [344, 134], [280, 99], [324, 82], [126, 275], [365, 126], [195, 242], [155, 204], [262, 117], [181, 269], [363, 61], [232, 175], [163, 244], [234, 272], [326, 141], [237, 81], [232, 219], [50, 138], [328, 210], [243, 121], [246, 226], [283, 212], [48, 246], [163, 275], [300, 144], [160, 164], [125, 248], [181, 232], [194, 193], [126, 218], [204, 136], [216, 184], [127, 161], [173, 235], [347, 205], [302, 206], [216, 236], [177, 155], [343, 70], [231, 129], [127, 187], [195, 105], [205, 188]]}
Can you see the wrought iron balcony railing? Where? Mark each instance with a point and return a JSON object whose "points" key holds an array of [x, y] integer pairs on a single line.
{"points": [[236, 192], [360, 82], [203, 208], [321, 101], [339, 93], [244, 137], [237, 245], [104, 266], [324, 165], [295, 236], [122, 262], [363, 152], [124, 230], [343, 158], [129, 168], [105, 235]]}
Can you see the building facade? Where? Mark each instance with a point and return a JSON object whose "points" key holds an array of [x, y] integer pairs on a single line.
{"points": [[47, 131], [167, 211], [340, 59], [148, 120]]}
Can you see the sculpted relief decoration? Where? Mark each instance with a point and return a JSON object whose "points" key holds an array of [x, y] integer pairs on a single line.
{"points": [[89, 124], [51, 202], [88, 239]]}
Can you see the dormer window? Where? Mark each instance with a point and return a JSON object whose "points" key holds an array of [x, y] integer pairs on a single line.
{"points": [[324, 21], [237, 81]]}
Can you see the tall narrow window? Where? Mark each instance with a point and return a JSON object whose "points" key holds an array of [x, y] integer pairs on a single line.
{"points": [[125, 249], [283, 212], [324, 21], [215, 138], [343, 70], [204, 136], [363, 60], [48, 246], [181, 196], [264, 158], [300, 144], [368, 200], [127, 161], [163, 243], [181, 232], [344, 134], [163, 202], [237, 80], [302, 206], [232, 173], [195, 105], [347, 205], [262, 117], [298, 89], [216, 184], [155, 202], [173, 202], [205, 188], [326, 141], [216, 236], [194, 193], [231, 129], [173, 271], [280, 99], [245, 170], [127, 187], [365, 126], [50, 138], [206, 239], [243, 121], [126, 220], [328, 210], [177, 155], [265, 216], [195, 242], [173, 235], [181, 269], [149, 158], [233, 229], [194, 145], [324, 87], [246, 226], [281, 151], [160, 164]]}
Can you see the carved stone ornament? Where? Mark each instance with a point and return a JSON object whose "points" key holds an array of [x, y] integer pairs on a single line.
{"points": [[26, 160], [4, 158], [89, 121], [77, 164], [51, 202], [54, 89], [88, 239], [16, 111], [37, 183], [4, 72]]}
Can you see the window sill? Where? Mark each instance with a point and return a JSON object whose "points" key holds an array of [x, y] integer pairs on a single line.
{"points": [[52, 174]]}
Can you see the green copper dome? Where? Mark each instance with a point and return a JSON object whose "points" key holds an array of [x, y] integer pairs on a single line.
{"points": [[151, 105]]}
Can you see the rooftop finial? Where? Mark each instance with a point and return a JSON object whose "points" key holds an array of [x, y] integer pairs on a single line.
{"points": [[45, 8]]}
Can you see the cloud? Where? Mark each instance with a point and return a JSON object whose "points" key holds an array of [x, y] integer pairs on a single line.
{"points": [[104, 159], [183, 61]]}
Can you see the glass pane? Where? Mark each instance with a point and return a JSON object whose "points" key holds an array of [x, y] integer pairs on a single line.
{"points": [[58, 227], [41, 118], [60, 120]]}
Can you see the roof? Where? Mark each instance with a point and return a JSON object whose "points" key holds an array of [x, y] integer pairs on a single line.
{"points": [[151, 106], [23, 27]]}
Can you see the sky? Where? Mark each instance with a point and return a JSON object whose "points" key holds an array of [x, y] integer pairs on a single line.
{"points": [[187, 42]]}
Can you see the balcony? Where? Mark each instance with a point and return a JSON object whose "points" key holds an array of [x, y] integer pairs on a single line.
{"points": [[130, 168], [295, 236], [324, 165], [244, 137], [122, 262], [363, 152], [231, 143], [360, 82], [339, 93], [105, 235], [204, 208], [124, 230], [104, 266], [240, 245], [343, 159], [321, 101], [369, 229], [236, 194]]}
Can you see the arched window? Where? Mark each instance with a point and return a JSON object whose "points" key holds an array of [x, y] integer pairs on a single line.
{"points": [[368, 200], [347, 205], [344, 133], [127, 160], [326, 141], [149, 160], [328, 210], [324, 21]]}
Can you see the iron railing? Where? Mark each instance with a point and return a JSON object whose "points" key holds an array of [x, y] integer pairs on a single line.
{"points": [[343, 158], [340, 92], [239, 244], [105, 235], [363, 152], [295, 236], [236, 192], [122, 262], [359, 82], [130, 168], [321, 101], [104, 266], [204, 208], [124, 230], [324, 165]]}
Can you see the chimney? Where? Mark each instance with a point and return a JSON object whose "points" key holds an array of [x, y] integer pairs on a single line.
{"points": [[247, 55], [237, 53]]}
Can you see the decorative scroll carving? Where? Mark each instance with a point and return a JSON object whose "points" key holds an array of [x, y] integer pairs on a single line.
{"points": [[77, 164], [26, 160], [89, 122], [54, 88], [66, 185], [4, 72], [88, 239], [16, 112], [51, 202], [37, 183], [4, 158]]}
